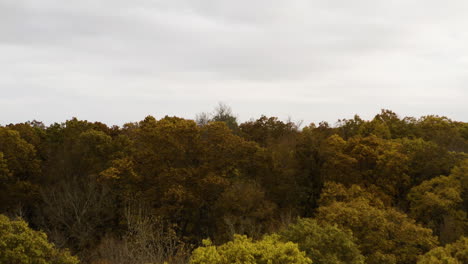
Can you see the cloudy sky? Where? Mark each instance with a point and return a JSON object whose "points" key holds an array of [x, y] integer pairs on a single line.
{"points": [[117, 61]]}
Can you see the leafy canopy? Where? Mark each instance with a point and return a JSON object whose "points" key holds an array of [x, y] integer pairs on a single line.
{"points": [[21, 245], [269, 250]]}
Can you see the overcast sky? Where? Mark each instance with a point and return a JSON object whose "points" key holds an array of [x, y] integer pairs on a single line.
{"points": [[118, 61]]}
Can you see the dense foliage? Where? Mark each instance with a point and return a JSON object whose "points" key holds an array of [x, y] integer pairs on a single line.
{"points": [[20, 244], [387, 190], [269, 250]]}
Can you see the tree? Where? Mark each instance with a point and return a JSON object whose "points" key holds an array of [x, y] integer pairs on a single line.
{"points": [[426, 159], [19, 154], [282, 178], [182, 169], [323, 242], [384, 234], [22, 245], [33, 132], [366, 161], [269, 250], [455, 253], [79, 148], [222, 113], [309, 158], [267, 131], [442, 131], [243, 209], [397, 127], [19, 172], [348, 128], [440, 203], [146, 239], [77, 213]]}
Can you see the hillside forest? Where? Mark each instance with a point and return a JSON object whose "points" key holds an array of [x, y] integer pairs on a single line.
{"points": [[390, 190]]}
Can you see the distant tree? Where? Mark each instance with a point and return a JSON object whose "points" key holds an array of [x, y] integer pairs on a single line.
{"points": [[397, 127], [222, 113], [20, 244], [202, 119], [268, 131], [348, 128]]}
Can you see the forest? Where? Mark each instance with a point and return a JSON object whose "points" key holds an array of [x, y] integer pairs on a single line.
{"points": [[389, 190]]}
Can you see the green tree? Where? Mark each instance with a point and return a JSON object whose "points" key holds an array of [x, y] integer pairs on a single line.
{"points": [[348, 128], [323, 242], [267, 131], [455, 253], [442, 131], [426, 159], [269, 250], [222, 113], [21, 245], [34, 132], [440, 203]]}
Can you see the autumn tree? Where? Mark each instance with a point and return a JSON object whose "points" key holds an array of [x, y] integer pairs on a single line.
{"points": [[384, 234], [213, 177], [367, 161], [20, 170], [243, 209]]}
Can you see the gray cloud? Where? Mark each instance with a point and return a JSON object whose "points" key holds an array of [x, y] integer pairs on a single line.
{"points": [[118, 61]]}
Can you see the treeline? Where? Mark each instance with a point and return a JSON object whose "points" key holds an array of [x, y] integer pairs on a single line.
{"points": [[386, 190]]}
